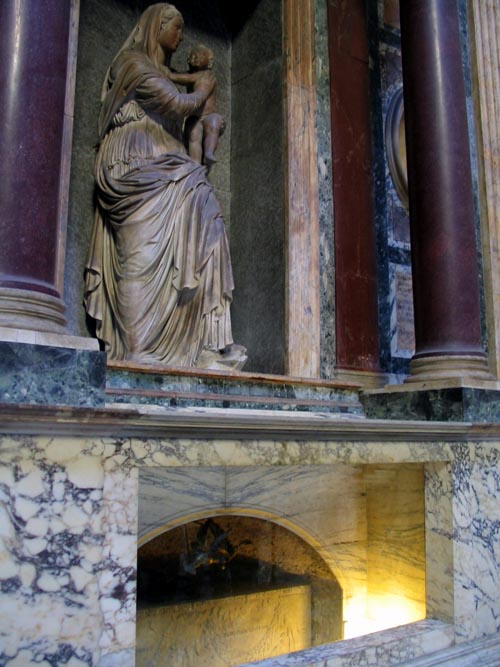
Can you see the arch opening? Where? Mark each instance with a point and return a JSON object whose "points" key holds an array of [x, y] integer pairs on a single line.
{"points": [[229, 589]]}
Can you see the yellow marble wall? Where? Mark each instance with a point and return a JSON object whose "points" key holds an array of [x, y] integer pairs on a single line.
{"points": [[395, 544], [225, 631]]}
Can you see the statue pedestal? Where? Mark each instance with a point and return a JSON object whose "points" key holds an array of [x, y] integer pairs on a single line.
{"points": [[50, 369], [452, 400], [195, 387]]}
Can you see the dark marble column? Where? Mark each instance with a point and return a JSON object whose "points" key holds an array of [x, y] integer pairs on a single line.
{"points": [[354, 220], [444, 256], [34, 43]]}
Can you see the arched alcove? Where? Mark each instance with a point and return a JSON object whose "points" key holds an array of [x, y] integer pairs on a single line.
{"points": [[231, 588], [364, 523]]}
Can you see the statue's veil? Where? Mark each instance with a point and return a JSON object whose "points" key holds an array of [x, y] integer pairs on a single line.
{"points": [[144, 40]]}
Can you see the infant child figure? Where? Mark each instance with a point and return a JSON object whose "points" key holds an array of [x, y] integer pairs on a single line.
{"points": [[203, 131]]}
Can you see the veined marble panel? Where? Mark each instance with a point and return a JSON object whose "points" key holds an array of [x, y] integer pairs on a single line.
{"points": [[396, 543], [324, 504], [402, 333], [321, 500], [439, 541], [68, 530], [476, 537], [118, 568], [325, 190], [485, 16], [51, 553], [170, 494]]}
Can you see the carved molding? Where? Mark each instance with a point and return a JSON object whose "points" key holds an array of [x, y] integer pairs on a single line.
{"points": [[445, 367], [395, 145], [233, 425]]}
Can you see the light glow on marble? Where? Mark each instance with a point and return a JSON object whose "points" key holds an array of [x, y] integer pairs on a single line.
{"points": [[391, 611]]}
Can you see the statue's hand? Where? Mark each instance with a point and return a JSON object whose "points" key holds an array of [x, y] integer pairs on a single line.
{"points": [[205, 83]]}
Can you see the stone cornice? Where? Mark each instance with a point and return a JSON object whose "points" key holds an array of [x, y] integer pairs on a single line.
{"points": [[233, 424]]}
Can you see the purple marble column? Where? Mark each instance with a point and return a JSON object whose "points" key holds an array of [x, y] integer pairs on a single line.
{"points": [[34, 47], [444, 256]]}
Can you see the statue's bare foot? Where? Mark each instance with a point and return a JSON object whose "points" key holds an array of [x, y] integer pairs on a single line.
{"points": [[231, 358], [209, 159]]}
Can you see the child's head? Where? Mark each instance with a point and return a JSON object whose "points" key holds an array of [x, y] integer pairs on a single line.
{"points": [[201, 57]]}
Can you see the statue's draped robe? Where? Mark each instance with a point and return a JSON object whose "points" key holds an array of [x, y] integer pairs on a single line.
{"points": [[158, 275]]}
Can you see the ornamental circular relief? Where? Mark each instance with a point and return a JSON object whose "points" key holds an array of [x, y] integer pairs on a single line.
{"points": [[395, 145]]}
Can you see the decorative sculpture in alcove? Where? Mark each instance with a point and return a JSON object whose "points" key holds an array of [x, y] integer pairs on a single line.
{"points": [[158, 277], [212, 548]]}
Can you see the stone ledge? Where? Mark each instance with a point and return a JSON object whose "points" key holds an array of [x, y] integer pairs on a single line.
{"points": [[483, 652], [389, 647], [222, 424], [353, 382], [192, 388]]}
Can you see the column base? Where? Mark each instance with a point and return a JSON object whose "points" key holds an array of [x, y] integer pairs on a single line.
{"points": [[441, 388], [453, 370], [13, 335], [27, 309], [365, 379], [447, 404]]}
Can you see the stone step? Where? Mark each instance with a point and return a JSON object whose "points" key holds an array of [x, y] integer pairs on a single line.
{"points": [[483, 652], [153, 385]]}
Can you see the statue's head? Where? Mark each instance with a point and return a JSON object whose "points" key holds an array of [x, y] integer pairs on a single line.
{"points": [[201, 57], [160, 25], [171, 29]]}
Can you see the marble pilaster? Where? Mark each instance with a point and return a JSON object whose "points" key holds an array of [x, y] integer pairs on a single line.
{"points": [[486, 67], [354, 229], [301, 193]]}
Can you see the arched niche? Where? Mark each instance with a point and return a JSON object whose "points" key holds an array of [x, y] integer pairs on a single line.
{"points": [[230, 588]]}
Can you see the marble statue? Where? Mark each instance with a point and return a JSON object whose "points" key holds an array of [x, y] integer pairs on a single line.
{"points": [[158, 276], [203, 130]]}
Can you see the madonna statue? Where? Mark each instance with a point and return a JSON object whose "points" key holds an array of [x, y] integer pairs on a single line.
{"points": [[158, 277]]}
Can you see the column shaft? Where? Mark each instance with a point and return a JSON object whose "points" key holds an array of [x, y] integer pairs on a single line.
{"points": [[33, 68], [444, 256]]}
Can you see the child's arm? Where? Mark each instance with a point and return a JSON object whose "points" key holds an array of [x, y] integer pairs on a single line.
{"points": [[184, 78]]}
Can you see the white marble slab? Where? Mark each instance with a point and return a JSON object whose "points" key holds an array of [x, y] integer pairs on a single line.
{"points": [[68, 531]]}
